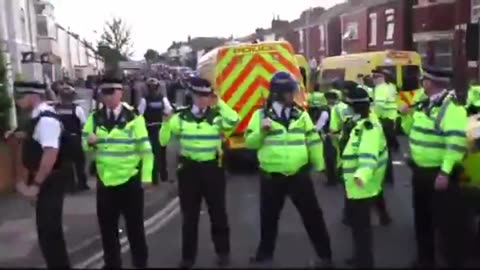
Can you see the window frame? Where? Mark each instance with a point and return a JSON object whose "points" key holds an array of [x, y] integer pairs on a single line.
{"points": [[335, 71], [389, 26], [373, 23]]}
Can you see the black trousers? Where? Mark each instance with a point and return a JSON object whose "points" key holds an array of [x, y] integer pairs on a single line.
{"points": [[358, 212], [274, 188], [197, 181], [79, 163], [392, 145], [49, 214], [442, 210], [126, 200], [160, 155], [330, 154]]}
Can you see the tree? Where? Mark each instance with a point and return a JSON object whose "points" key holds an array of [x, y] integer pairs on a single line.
{"points": [[5, 100], [151, 56], [115, 44]]}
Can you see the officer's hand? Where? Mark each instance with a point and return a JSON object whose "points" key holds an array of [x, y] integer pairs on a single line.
{"points": [[92, 139], [167, 116], [441, 182], [358, 182], [266, 124], [404, 109]]}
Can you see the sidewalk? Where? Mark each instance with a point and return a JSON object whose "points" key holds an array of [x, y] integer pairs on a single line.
{"points": [[18, 237]]}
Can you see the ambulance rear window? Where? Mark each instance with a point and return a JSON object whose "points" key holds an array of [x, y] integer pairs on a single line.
{"points": [[333, 74]]}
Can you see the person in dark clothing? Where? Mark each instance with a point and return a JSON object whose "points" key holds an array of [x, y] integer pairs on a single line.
{"points": [[43, 156], [73, 118], [153, 107]]}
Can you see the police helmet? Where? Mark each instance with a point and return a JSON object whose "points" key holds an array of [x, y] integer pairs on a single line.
{"points": [[282, 82], [357, 95]]}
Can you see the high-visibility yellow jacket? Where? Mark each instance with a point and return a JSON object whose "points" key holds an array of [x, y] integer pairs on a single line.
{"points": [[119, 152], [439, 138], [365, 157], [285, 150], [385, 101], [200, 139]]}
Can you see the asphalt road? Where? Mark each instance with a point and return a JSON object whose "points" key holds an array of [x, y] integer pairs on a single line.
{"points": [[394, 245]]}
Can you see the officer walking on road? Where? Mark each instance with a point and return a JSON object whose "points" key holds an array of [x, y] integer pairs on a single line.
{"points": [[364, 164], [199, 173], [44, 156], [436, 129], [154, 106], [118, 139], [73, 118], [286, 140], [385, 106]]}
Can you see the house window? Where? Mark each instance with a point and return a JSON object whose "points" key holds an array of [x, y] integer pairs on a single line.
{"points": [[351, 32], [373, 29], [475, 5], [301, 41], [322, 37], [389, 25]]}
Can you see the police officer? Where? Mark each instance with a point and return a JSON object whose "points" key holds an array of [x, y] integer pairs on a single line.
{"points": [[200, 175], [364, 164], [385, 106], [73, 118], [473, 99], [362, 81], [118, 139], [316, 102], [269, 132], [330, 150], [436, 131], [153, 107], [44, 157]]}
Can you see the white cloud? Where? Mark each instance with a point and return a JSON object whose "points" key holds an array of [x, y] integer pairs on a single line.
{"points": [[156, 23]]}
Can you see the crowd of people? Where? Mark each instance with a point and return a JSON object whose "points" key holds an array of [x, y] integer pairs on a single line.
{"points": [[348, 132]]}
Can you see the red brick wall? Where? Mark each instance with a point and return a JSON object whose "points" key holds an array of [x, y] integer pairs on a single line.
{"points": [[438, 17], [358, 45], [400, 33], [292, 37]]}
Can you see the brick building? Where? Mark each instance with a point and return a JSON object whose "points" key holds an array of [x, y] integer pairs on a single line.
{"points": [[375, 25]]}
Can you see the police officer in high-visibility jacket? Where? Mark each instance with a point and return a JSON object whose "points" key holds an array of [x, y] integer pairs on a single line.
{"points": [[361, 82], [286, 141], [385, 107], [364, 164], [154, 106], [200, 176], [73, 118], [436, 130], [118, 139], [316, 100], [473, 100]]}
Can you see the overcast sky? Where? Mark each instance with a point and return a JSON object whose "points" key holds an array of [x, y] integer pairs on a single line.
{"points": [[156, 23]]}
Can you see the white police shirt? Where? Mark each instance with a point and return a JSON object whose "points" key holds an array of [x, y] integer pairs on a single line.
{"points": [[322, 121], [277, 107], [48, 130], [167, 107]]}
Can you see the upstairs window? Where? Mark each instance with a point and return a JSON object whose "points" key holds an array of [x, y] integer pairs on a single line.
{"points": [[373, 29], [389, 25]]}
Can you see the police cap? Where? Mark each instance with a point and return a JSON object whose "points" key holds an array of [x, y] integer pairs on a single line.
{"points": [[200, 86], [22, 88], [358, 95], [108, 85], [437, 75]]}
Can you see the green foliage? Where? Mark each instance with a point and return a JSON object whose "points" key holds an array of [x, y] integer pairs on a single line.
{"points": [[115, 44], [5, 99], [152, 56]]}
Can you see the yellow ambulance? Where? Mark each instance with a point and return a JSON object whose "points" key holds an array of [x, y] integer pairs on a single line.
{"points": [[401, 64]]}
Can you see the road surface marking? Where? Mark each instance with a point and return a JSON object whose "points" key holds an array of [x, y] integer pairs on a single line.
{"points": [[154, 229], [158, 217]]}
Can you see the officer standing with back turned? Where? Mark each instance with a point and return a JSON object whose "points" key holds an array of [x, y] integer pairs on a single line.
{"points": [[286, 142], [44, 157], [436, 129], [154, 106], [199, 173], [73, 118], [118, 139]]}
